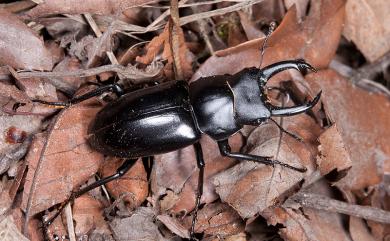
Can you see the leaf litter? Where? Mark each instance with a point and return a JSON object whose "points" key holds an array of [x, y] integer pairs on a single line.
{"points": [[345, 144]]}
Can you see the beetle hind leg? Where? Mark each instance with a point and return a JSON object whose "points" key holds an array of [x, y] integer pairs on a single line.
{"points": [[125, 167], [225, 150]]}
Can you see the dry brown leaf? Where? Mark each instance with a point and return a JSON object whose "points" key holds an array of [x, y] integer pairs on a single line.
{"points": [[131, 187], [60, 162], [315, 39], [301, 6], [20, 47], [174, 226], [251, 187], [88, 216], [332, 153], [9, 231], [308, 224], [139, 226], [362, 119], [177, 171], [162, 42], [217, 219], [367, 25], [102, 7]]}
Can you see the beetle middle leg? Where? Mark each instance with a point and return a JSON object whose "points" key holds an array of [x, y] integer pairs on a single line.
{"points": [[201, 164], [115, 88], [125, 167], [225, 150]]}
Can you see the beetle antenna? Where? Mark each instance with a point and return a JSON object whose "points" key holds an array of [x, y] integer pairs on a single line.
{"points": [[271, 28]]}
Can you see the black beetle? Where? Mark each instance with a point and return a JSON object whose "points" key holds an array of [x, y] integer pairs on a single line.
{"points": [[175, 114]]}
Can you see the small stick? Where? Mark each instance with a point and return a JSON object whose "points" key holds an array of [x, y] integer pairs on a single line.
{"points": [[69, 222], [325, 203]]}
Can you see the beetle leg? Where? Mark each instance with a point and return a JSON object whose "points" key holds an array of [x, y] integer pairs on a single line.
{"points": [[275, 68], [225, 150], [295, 110], [296, 137], [120, 172], [201, 165], [115, 88]]}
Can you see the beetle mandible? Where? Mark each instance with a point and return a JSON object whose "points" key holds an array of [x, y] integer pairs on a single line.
{"points": [[175, 114]]}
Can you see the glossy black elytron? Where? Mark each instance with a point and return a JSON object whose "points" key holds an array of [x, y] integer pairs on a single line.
{"points": [[175, 114]]}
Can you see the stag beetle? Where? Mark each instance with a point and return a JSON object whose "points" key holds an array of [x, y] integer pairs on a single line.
{"points": [[175, 114]]}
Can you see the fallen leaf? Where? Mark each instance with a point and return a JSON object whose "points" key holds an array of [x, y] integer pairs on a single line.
{"points": [[315, 40], [308, 224], [217, 219], [332, 153], [362, 119], [9, 231], [61, 161], [162, 42], [174, 226], [88, 216], [177, 171], [131, 187], [367, 25], [252, 187], [102, 7], [139, 226], [20, 47]]}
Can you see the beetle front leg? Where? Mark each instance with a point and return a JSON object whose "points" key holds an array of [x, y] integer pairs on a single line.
{"points": [[115, 88], [125, 167], [225, 150], [201, 164]]}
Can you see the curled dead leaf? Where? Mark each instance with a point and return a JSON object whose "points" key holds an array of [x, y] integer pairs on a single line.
{"points": [[20, 47], [218, 219], [88, 216], [362, 119], [332, 153], [61, 160], [131, 187]]}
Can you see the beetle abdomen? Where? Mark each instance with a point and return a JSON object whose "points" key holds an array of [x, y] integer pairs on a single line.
{"points": [[147, 122], [149, 134]]}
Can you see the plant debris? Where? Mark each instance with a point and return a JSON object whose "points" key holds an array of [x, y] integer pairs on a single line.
{"points": [[53, 51]]}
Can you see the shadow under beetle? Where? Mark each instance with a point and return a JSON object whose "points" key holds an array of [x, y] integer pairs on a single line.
{"points": [[175, 114]]}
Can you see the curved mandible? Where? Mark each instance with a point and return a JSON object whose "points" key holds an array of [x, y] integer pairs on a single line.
{"points": [[295, 110], [270, 70]]}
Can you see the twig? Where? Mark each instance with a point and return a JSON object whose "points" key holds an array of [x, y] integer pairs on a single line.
{"points": [[174, 28], [217, 12], [104, 38], [130, 72], [325, 203], [69, 222]]}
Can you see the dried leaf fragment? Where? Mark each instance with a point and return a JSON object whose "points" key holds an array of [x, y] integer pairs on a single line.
{"points": [[131, 187], [367, 25], [362, 119], [20, 47], [332, 153], [139, 226], [63, 160]]}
